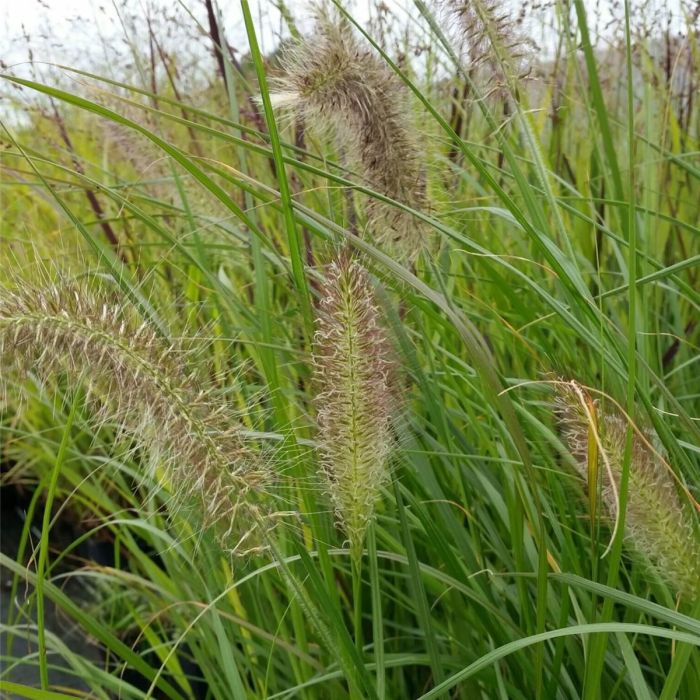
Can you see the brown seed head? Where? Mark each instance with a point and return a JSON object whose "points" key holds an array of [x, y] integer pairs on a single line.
{"points": [[141, 384], [334, 82], [657, 522]]}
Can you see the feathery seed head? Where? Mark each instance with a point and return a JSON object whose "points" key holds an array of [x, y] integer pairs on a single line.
{"points": [[141, 384], [659, 525], [490, 37], [333, 82], [351, 370]]}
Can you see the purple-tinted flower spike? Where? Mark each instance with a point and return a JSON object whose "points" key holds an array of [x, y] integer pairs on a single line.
{"points": [[658, 523], [352, 370], [335, 83]]}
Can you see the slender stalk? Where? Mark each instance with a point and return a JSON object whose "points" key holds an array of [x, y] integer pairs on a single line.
{"points": [[44, 544], [356, 563], [377, 620], [598, 643], [295, 241]]}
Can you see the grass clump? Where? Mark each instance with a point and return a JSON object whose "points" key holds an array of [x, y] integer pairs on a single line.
{"points": [[439, 555]]}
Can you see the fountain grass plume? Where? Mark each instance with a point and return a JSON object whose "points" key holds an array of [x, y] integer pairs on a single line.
{"points": [[491, 37], [334, 82], [658, 523], [355, 404], [141, 384]]}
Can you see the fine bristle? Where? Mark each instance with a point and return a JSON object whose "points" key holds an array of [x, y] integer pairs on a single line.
{"points": [[657, 523], [335, 83], [490, 36], [352, 369], [136, 381]]}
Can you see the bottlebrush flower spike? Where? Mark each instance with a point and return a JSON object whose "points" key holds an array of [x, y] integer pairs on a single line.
{"points": [[491, 37], [139, 383], [352, 369], [657, 523], [332, 81]]}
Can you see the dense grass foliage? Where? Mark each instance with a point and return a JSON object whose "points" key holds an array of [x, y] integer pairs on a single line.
{"points": [[367, 368]]}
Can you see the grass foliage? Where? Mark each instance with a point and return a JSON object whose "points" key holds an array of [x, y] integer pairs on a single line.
{"points": [[369, 365]]}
